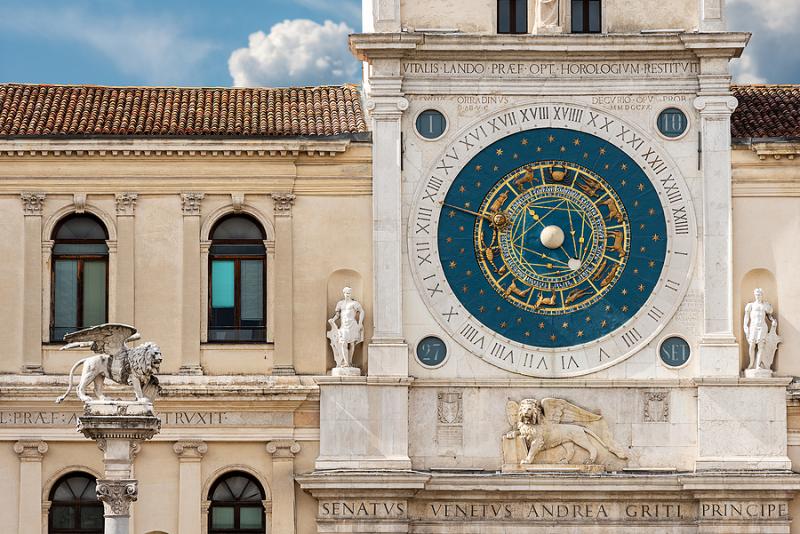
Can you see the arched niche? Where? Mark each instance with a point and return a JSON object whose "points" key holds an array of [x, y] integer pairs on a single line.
{"points": [[765, 279], [337, 281]]}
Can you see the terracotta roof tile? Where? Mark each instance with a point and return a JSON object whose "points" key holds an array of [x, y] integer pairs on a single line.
{"points": [[82, 110], [766, 111]]}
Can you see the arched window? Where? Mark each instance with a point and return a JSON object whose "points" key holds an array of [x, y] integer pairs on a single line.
{"points": [[79, 275], [512, 16], [237, 274], [236, 505], [586, 16], [74, 507]]}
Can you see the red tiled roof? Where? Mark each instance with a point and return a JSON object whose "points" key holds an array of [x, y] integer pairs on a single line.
{"points": [[766, 111], [82, 110]]}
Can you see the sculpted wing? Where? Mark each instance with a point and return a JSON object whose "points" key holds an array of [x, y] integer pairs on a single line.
{"points": [[106, 338], [512, 413], [560, 411]]}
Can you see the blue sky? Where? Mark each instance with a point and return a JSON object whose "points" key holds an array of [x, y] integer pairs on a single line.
{"points": [[262, 42]]}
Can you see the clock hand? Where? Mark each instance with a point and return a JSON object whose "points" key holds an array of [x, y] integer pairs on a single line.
{"points": [[475, 213]]}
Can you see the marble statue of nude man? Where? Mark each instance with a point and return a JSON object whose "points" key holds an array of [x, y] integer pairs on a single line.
{"points": [[350, 331], [756, 328]]}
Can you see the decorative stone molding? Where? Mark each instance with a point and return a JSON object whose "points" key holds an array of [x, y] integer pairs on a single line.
{"points": [[172, 148], [656, 407], [30, 450], [79, 201], [283, 449], [126, 203], [776, 150], [283, 203], [191, 203], [387, 107], [190, 450], [449, 407], [32, 203], [237, 201], [117, 496]]}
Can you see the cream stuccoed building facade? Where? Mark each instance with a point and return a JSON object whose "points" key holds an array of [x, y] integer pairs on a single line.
{"points": [[553, 217]]}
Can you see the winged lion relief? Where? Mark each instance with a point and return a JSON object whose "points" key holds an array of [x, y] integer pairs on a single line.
{"points": [[549, 430]]}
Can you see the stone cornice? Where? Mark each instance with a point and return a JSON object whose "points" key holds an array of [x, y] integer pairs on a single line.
{"points": [[415, 44], [173, 147]]}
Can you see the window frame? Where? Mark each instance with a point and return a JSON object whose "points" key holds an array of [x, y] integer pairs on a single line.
{"points": [[77, 505], [586, 9], [237, 505], [512, 17], [237, 298], [81, 259]]}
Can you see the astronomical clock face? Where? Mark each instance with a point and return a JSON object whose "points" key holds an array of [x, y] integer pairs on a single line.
{"points": [[552, 251]]}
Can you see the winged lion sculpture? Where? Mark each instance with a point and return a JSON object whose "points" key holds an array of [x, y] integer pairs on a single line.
{"points": [[549, 423], [114, 359]]}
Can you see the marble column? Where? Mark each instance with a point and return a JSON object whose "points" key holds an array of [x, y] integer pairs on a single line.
{"points": [[31, 453], [719, 352], [191, 305], [283, 505], [284, 286], [32, 204], [190, 455], [126, 257], [119, 437]]}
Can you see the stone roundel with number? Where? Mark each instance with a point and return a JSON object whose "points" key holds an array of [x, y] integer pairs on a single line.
{"points": [[552, 239]]}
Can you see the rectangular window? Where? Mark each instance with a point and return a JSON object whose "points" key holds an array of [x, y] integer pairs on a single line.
{"points": [[512, 16], [80, 295], [237, 300], [586, 16]]}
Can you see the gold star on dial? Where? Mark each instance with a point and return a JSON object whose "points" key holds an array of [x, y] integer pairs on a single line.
{"points": [[477, 184], [656, 237], [462, 189], [465, 289], [551, 139], [524, 142], [499, 152], [541, 326], [576, 142], [452, 264], [515, 156], [642, 249], [478, 168], [449, 239], [580, 333], [641, 226], [481, 292], [624, 292], [498, 309], [519, 320], [624, 308], [451, 214], [623, 182], [585, 155], [602, 151], [606, 166], [553, 338], [468, 273], [608, 307], [527, 334], [482, 309], [640, 288], [563, 149], [651, 264], [651, 211], [624, 167], [495, 168], [588, 319], [603, 323], [538, 149], [640, 187], [564, 325], [503, 324]]}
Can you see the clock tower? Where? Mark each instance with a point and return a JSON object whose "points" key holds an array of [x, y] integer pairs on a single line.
{"points": [[553, 342]]}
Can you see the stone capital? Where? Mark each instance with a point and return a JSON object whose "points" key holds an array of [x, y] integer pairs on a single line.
{"points": [[713, 105], [190, 450], [282, 203], [117, 496], [387, 107], [126, 203], [30, 450], [32, 203], [283, 449], [191, 202]]}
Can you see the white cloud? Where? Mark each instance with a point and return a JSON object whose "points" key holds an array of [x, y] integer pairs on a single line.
{"points": [[295, 52], [771, 56], [154, 49]]}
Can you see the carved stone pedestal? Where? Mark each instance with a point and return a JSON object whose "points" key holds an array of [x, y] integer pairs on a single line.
{"points": [[118, 427]]}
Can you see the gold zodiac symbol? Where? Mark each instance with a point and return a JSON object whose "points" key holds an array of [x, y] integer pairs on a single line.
{"points": [[517, 291], [613, 210], [590, 187], [617, 245], [599, 272], [526, 179], [610, 276], [542, 301], [558, 176], [497, 205], [575, 294]]}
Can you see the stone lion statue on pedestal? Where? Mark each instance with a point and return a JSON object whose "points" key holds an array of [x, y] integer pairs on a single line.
{"points": [[131, 366], [549, 423]]}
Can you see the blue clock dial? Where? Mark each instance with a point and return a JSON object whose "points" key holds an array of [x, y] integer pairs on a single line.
{"points": [[552, 237]]}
